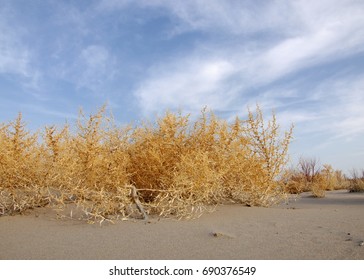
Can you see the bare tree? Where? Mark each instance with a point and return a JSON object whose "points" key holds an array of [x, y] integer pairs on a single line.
{"points": [[309, 167]]}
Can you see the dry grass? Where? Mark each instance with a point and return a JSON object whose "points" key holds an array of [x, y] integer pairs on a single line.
{"points": [[178, 167]]}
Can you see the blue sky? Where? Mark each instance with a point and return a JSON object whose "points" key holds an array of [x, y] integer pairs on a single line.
{"points": [[303, 58]]}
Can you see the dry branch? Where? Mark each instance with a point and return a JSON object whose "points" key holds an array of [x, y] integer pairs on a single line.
{"points": [[136, 200]]}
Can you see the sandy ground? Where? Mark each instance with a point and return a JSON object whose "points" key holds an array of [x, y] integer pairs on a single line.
{"points": [[306, 228]]}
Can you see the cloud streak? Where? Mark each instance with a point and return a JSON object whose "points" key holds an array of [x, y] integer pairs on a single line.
{"points": [[311, 39], [14, 56], [187, 85]]}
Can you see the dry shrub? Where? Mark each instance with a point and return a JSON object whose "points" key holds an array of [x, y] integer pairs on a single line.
{"points": [[302, 178], [292, 181], [89, 167], [22, 177], [310, 176], [334, 179], [356, 182], [177, 166], [319, 186]]}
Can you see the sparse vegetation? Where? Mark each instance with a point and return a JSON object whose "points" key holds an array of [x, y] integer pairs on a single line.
{"points": [[356, 182], [311, 176], [176, 166]]}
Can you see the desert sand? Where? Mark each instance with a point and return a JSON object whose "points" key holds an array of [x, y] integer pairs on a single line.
{"points": [[303, 228]]}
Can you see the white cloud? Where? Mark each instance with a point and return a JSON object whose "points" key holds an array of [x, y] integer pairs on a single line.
{"points": [[325, 37], [347, 109], [188, 85], [314, 33], [336, 112]]}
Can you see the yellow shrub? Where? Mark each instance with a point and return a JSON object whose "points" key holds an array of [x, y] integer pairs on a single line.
{"points": [[319, 186], [310, 177], [177, 166]]}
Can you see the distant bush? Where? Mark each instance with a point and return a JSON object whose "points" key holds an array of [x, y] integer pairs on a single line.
{"points": [[356, 182], [311, 176], [175, 165]]}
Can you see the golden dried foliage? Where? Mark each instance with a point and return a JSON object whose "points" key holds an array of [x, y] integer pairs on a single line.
{"points": [[310, 176], [21, 173], [176, 166], [356, 182]]}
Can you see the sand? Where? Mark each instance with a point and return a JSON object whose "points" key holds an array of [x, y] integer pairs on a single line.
{"points": [[306, 228]]}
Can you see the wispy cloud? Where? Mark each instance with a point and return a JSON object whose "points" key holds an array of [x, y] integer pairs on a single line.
{"points": [[313, 35], [345, 106], [93, 67], [186, 85], [234, 17], [79, 54], [17, 58], [14, 56]]}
